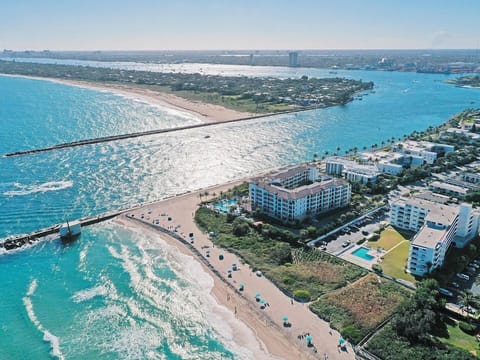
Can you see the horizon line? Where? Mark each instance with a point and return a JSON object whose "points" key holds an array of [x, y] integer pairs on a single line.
{"points": [[243, 49]]}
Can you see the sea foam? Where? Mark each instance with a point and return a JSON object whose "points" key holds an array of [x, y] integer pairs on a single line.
{"points": [[47, 335], [190, 304]]}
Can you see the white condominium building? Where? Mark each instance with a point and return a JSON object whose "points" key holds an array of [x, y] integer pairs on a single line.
{"points": [[428, 151], [294, 193], [351, 170], [449, 189], [438, 226]]}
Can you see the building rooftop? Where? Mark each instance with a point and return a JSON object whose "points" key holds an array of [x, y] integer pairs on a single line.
{"points": [[302, 191], [433, 197], [354, 167], [285, 173], [428, 237], [438, 213], [449, 187]]}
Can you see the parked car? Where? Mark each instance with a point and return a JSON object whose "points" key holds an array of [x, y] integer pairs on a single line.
{"points": [[472, 269], [345, 243], [455, 284], [365, 232], [445, 292], [463, 276]]}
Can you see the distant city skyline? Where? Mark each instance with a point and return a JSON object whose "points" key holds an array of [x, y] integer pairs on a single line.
{"points": [[247, 24]]}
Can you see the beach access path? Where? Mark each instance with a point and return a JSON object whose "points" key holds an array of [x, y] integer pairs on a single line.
{"points": [[267, 324]]}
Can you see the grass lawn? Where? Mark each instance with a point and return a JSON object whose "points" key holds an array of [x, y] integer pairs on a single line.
{"points": [[459, 339], [394, 262], [388, 239]]}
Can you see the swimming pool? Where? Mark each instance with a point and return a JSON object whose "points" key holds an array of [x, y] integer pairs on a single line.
{"points": [[225, 205], [363, 254]]}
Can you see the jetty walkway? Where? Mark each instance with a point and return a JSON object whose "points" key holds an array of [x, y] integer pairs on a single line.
{"points": [[150, 132], [29, 239]]}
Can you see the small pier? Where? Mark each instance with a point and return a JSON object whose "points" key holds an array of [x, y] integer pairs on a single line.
{"points": [[20, 241]]}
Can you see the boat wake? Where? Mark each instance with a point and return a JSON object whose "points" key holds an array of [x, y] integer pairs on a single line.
{"points": [[21, 189], [47, 335]]}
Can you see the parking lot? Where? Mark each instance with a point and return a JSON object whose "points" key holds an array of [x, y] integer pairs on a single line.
{"points": [[335, 244]]}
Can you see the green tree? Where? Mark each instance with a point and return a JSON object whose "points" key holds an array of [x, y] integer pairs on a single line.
{"points": [[420, 316], [302, 295]]}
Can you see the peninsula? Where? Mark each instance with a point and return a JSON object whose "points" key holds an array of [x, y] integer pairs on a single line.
{"points": [[466, 81], [246, 95]]}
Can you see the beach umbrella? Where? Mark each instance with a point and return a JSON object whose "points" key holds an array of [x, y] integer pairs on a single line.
{"points": [[341, 341], [309, 339], [285, 319], [229, 271], [257, 295], [262, 301], [242, 285]]}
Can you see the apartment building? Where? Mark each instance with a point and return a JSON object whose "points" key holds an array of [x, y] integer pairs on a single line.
{"points": [[296, 192], [351, 170], [426, 150], [438, 226]]}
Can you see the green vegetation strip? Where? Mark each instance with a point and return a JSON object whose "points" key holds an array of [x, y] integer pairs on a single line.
{"points": [[278, 254]]}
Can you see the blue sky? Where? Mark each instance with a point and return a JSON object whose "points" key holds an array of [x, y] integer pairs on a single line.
{"points": [[238, 24]]}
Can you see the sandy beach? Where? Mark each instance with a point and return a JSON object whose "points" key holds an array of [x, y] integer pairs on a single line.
{"points": [[207, 113], [274, 340]]}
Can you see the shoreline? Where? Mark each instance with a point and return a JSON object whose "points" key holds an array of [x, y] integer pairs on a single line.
{"points": [[205, 112], [266, 324]]}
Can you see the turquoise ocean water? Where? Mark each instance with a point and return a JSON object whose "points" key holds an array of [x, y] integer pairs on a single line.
{"points": [[117, 294]]}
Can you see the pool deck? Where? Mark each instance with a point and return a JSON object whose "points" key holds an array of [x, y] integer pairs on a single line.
{"points": [[367, 264]]}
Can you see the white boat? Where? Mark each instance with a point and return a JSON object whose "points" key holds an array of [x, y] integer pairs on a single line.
{"points": [[70, 230]]}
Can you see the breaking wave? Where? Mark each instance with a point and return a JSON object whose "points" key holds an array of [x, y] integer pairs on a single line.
{"points": [[47, 335]]}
